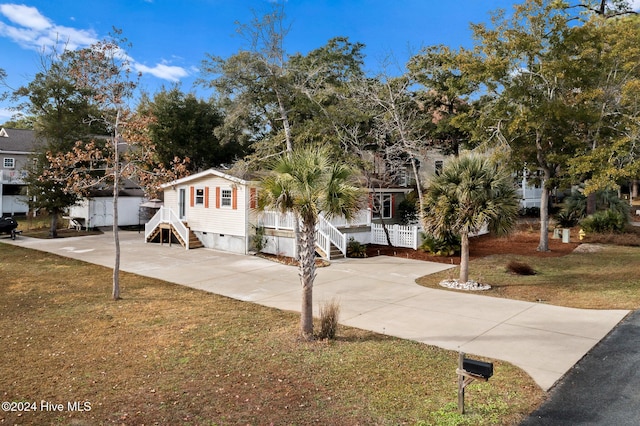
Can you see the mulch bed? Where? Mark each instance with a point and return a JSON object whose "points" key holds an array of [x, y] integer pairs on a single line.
{"points": [[523, 243]]}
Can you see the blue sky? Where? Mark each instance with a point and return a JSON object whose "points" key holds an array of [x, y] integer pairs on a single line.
{"points": [[171, 37]]}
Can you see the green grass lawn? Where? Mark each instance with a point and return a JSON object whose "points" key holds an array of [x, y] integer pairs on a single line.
{"points": [[167, 354], [605, 279]]}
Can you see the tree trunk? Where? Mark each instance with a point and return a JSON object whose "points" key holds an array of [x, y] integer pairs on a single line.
{"points": [[284, 116], [591, 203], [386, 231], [53, 230], [416, 176], [307, 272], [464, 258], [116, 237], [543, 245]]}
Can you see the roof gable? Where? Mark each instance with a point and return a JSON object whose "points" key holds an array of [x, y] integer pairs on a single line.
{"points": [[204, 174]]}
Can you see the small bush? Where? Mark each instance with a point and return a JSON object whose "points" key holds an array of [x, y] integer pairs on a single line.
{"points": [[605, 221], [259, 238], [530, 211], [449, 245], [329, 313], [355, 249], [567, 218], [408, 210], [520, 268]]}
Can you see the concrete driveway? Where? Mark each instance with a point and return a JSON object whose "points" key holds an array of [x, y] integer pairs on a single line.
{"points": [[377, 294]]}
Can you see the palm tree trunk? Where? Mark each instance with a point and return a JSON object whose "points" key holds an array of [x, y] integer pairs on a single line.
{"points": [[307, 271], [464, 257]]}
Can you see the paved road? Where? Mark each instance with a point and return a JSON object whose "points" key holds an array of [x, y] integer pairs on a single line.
{"points": [[377, 294], [603, 388]]}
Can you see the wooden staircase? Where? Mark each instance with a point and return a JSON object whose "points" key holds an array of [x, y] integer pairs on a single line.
{"points": [[335, 252], [165, 232]]}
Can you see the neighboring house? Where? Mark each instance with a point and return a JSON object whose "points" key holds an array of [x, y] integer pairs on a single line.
{"points": [[210, 209], [16, 148], [97, 210]]}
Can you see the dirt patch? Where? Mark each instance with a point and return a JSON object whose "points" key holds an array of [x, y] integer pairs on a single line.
{"points": [[523, 243], [62, 233], [289, 261]]}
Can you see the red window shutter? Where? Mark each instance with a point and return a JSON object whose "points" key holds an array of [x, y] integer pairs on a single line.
{"points": [[217, 197], [393, 205], [234, 198], [206, 197], [192, 196], [253, 200]]}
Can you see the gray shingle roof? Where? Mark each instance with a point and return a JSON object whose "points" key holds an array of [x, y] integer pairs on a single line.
{"points": [[17, 140]]}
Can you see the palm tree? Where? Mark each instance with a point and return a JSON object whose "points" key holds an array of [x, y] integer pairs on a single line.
{"points": [[307, 182], [470, 192]]}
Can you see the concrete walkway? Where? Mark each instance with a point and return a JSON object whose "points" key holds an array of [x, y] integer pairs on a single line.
{"points": [[377, 294]]}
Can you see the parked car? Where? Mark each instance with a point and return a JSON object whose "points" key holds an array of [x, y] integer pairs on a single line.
{"points": [[8, 225]]}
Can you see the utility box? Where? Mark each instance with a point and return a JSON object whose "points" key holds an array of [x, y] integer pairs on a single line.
{"points": [[478, 368]]}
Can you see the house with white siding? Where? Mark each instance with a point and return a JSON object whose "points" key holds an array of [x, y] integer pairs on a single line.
{"points": [[210, 209]]}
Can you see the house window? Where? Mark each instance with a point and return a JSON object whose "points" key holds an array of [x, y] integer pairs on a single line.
{"points": [[9, 163], [383, 206], [199, 196], [225, 198], [438, 167]]}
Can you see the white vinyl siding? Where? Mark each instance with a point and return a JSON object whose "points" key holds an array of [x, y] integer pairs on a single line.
{"points": [[211, 216]]}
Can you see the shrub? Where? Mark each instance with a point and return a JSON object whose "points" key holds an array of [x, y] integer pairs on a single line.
{"points": [[567, 218], [520, 268], [605, 221], [530, 211], [259, 238], [575, 205], [448, 245], [329, 313], [408, 210], [355, 249]]}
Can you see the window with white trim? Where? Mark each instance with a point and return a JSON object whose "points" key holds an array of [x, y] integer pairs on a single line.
{"points": [[199, 197], [225, 197], [9, 163]]}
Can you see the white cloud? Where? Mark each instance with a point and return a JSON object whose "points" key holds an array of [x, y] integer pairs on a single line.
{"points": [[635, 5], [30, 29], [25, 16], [5, 114], [163, 71]]}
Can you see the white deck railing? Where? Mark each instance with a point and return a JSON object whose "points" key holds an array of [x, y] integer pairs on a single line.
{"points": [[276, 220], [166, 215], [362, 218]]}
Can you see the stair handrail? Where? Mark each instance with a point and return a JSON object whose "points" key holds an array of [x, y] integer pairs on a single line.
{"points": [[333, 234], [153, 223], [323, 241], [167, 215]]}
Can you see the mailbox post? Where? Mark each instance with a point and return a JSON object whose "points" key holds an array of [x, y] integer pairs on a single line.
{"points": [[469, 370]]}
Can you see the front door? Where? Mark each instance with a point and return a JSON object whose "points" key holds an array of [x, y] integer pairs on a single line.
{"points": [[182, 202]]}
